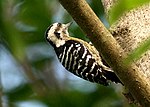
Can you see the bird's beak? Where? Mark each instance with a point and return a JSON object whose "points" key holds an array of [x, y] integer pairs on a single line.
{"points": [[68, 24]]}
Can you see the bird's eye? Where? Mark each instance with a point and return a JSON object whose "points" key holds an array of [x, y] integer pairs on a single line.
{"points": [[57, 34]]}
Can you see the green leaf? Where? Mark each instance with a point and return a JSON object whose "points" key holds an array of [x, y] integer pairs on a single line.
{"points": [[138, 52], [122, 6]]}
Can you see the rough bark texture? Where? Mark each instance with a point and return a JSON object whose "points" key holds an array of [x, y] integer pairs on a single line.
{"points": [[130, 30], [133, 79]]}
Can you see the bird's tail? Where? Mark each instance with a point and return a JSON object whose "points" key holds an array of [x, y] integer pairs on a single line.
{"points": [[110, 75]]}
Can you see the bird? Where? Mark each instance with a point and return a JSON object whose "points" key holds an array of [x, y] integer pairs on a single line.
{"points": [[78, 56]]}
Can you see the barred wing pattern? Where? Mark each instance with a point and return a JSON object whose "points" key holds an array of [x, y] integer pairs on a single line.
{"points": [[76, 58]]}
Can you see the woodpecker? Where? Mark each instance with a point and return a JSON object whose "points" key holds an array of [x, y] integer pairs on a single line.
{"points": [[78, 56]]}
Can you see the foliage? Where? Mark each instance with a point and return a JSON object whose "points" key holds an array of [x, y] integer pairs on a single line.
{"points": [[138, 52], [122, 6], [119, 9], [33, 63]]}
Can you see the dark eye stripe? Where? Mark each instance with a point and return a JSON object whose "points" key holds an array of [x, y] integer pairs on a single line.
{"points": [[57, 34]]}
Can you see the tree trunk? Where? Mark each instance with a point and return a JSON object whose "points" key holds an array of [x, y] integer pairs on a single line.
{"points": [[132, 77], [132, 28]]}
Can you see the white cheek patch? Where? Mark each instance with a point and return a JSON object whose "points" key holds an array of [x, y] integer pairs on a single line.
{"points": [[51, 37], [60, 43]]}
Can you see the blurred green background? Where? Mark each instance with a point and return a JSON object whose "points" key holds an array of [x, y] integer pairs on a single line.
{"points": [[30, 74]]}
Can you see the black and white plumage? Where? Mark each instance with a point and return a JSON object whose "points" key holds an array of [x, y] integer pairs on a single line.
{"points": [[78, 56]]}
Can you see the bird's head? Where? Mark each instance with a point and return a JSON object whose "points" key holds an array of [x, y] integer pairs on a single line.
{"points": [[56, 33]]}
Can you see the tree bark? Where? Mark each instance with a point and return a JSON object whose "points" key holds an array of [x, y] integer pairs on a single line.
{"points": [[113, 53], [130, 30]]}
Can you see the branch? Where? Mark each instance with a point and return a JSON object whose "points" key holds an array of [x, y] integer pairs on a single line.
{"points": [[110, 49]]}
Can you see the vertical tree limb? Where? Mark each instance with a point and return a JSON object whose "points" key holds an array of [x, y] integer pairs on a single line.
{"points": [[110, 49]]}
